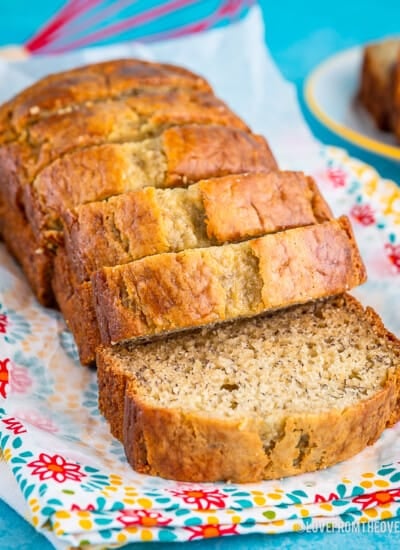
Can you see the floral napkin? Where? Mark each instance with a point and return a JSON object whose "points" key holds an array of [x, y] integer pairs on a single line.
{"points": [[72, 474]]}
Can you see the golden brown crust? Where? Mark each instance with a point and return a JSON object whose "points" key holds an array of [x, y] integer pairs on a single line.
{"points": [[129, 118], [177, 107], [208, 449], [252, 204], [174, 291], [201, 152], [110, 79], [100, 172], [131, 226], [110, 102], [111, 384], [300, 266], [118, 231], [76, 304], [184, 447], [191, 447]]}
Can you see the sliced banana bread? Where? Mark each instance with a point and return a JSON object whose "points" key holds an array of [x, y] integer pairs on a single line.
{"points": [[151, 221], [46, 138], [231, 208], [292, 392], [174, 291], [180, 156]]}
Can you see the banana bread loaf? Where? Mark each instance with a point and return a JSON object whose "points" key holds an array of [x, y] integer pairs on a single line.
{"points": [[264, 398], [169, 292]]}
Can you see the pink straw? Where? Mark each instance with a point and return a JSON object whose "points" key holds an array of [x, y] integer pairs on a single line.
{"points": [[230, 7], [65, 15], [72, 27]]}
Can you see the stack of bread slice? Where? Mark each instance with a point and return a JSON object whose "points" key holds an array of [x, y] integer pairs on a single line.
{"points": [[207, 285], [380, 84]]}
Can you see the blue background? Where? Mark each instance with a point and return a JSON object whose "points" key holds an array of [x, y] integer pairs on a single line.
{"points": [[299, 35]]}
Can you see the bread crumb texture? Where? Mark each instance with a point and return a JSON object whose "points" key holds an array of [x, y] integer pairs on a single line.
{"points": [[277, 395]]}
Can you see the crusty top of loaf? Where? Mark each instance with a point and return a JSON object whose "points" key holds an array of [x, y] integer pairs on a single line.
{"points": [[131, 119], [100, 81]]}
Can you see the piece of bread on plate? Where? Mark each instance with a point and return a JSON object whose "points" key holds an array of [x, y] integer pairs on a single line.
{"points": [[376, 88]]}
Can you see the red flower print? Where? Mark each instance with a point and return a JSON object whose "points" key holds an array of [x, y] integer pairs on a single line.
{"points": [[379, 498], [14, 425], [394, 255], [4, 377], [337, 177], [363, 213], [77, 508], [3, 323], [204, 499], [321, 498], [56, 467], [210, 531], [142, 517]]}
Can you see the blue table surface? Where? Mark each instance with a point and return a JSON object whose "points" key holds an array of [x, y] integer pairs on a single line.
{"points": [[299, 35]]}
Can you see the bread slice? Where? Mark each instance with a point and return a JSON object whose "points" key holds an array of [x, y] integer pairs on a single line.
{"points": [[181, 155], [140, 222], [214, 211], [68, 90], [279, 395], [376, 90], [170, 292]]}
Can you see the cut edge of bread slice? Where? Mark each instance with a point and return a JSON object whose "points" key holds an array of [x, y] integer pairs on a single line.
{"points": [[283, 394], [196, 287]]}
